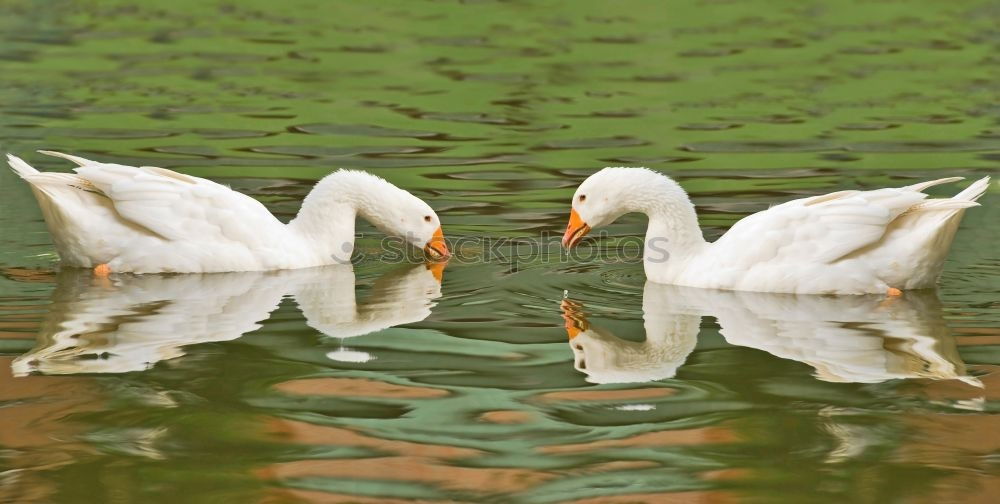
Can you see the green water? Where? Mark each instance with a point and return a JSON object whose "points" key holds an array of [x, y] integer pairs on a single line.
{"points": [[376, 384]]}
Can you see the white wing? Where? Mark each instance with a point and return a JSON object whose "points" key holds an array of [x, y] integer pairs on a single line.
{"points": [[177, 206], [820, 229]]}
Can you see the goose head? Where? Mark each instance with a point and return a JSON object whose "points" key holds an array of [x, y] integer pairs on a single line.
{"points": [[612, 192], [344, 194], [408, 217]]}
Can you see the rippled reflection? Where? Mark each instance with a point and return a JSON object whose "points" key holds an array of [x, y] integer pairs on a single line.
{"points": [[493, 112], [130, 323], [856, 339]]}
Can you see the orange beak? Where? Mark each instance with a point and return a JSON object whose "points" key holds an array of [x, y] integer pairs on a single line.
{"points": [[436, 249], [575, 231], [437, 269], [573, 315]]}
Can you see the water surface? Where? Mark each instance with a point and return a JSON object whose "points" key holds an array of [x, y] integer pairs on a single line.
{"points": [[378, 384]]}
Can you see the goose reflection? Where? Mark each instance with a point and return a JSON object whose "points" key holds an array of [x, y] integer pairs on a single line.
{"points": [[861, 339], [130, 323]]}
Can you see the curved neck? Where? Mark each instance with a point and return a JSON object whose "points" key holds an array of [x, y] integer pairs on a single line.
{"points": [[328, 212], [673, 231]]}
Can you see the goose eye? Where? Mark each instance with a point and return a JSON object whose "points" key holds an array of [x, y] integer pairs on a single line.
{"points": [[427, 218], [582, 198]]}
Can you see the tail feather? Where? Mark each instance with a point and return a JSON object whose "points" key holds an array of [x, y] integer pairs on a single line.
{"points": [[919, 239], [39, 179], [943, 204], [79, 161], [965, 199], [20, 167], [974, 191], [919, 187]]}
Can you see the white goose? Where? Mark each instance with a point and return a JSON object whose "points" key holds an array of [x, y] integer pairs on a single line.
{"points": [[847, 242], [117, 218]]}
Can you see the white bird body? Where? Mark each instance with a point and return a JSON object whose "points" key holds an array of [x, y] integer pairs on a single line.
{"points": [[847, 242], [153, 220]]}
